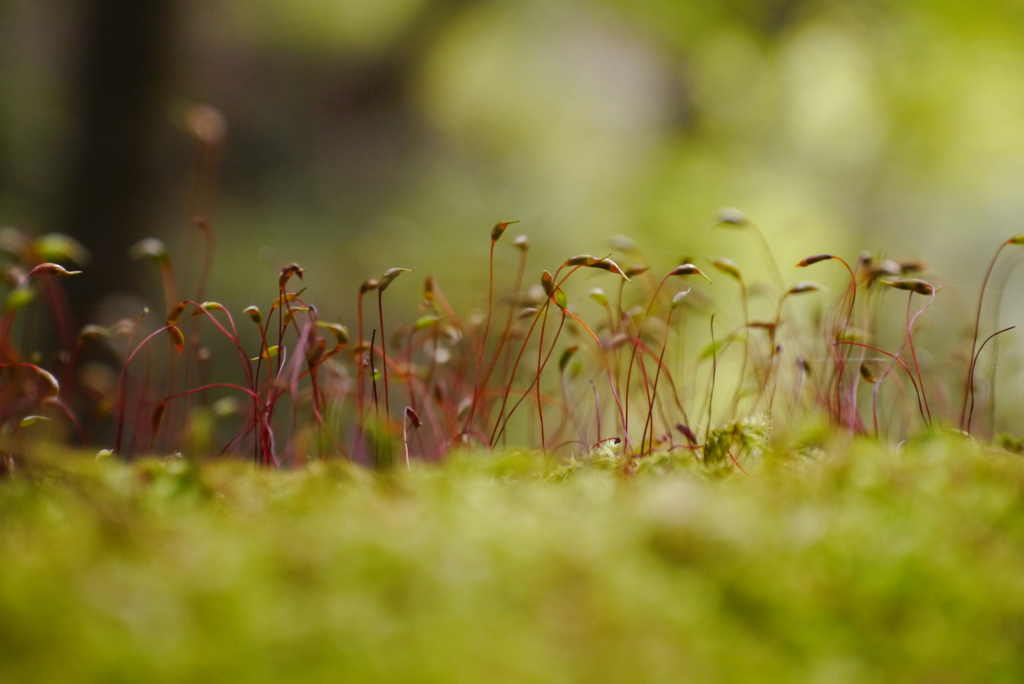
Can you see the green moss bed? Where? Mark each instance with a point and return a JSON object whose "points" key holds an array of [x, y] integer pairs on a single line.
{"points": [[858, 563]]}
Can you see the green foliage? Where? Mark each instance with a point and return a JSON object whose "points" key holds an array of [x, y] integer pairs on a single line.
{"points": [[740, 440], [863, 565]]}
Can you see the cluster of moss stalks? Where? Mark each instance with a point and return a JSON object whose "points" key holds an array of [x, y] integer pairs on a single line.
{"points": [[653, 531], [543, 364]]}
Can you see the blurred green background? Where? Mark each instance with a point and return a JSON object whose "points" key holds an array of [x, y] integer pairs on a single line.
{"points": [[366, 135]]}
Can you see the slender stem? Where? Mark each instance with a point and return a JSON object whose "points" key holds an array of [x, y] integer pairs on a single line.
{"points": [[359, 359], [505, 333], [384, 352], [654, 389], [969, 382], [121, 383], [841, 364], [611, 382], [895, 358], [776, 273], [405, 440], [483, 340], [498, 425], [373, 374], [512, 376], [746, 349], [987, 340], [533, 383], [1000, 290], [632, 356], [913, 352], [711, 392]]}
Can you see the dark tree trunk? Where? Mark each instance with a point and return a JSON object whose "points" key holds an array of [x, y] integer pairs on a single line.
{"points": [[119, 103]]}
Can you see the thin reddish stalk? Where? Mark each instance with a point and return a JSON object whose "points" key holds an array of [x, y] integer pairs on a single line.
{"points": [[657, 375], [535, 383], [384, 353], [970, 414], [121, 382], [910, 374], [483, 340], [969, 382]]}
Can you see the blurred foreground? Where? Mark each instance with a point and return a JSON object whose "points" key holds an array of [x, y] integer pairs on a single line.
{"points": [[850, 563]]}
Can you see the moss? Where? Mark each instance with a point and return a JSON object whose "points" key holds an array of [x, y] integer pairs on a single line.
{"points": [[859, 564]]}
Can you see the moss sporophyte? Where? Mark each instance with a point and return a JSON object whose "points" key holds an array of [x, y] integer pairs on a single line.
{"points": [[639, 367]]}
